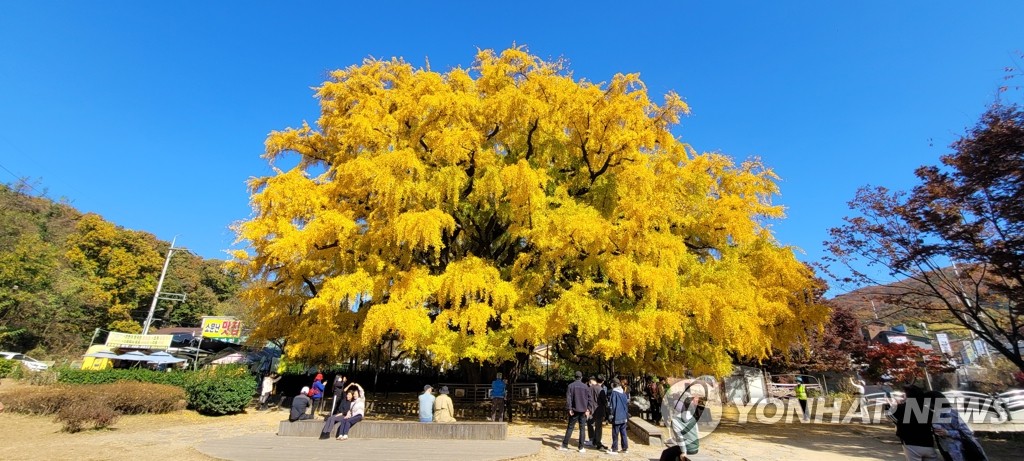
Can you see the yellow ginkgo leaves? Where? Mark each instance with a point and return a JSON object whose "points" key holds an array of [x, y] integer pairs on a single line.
{"points": [[481, 212]]}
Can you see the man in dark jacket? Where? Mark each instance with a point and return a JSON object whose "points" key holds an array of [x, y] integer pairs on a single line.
{"points": [[913, 426], [577, 402], [598, 403], [300, 405]]}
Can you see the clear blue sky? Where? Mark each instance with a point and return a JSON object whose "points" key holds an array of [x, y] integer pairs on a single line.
{"points": [[153, 114]]}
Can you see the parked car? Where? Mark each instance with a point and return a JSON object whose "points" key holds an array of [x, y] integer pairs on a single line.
{"points": [[29, 362]]}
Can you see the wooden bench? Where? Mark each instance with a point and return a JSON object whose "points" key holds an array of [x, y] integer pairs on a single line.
{"points": [[371, 429], [644, 431]]}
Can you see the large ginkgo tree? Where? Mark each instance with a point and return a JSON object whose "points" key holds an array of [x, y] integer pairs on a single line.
{"points": [[479, 213]]}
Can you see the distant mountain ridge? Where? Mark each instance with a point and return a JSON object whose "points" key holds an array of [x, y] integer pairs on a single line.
{"points": [[64, 273]]}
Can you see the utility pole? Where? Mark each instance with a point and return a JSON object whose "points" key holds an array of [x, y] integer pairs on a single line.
{"points": [[159, 286]]}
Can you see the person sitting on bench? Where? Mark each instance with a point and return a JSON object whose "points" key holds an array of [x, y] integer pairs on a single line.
{"points": [[355, 412], [341, 409], [300, 405]]}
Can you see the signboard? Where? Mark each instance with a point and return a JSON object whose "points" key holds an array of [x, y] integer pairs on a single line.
{"points": [[898, 339], [130, 341], [980, 347], [968, 351], [944, 345], [222, 328]]}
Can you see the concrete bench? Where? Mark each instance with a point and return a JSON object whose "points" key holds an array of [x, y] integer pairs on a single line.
{"points": [[371, 429], [644, 431]]}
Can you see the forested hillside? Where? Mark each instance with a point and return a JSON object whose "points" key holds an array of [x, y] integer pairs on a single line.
{"points": [[64, 273]]}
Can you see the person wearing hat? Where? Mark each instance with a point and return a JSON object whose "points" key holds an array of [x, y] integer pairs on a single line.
{"points": [[427, 404], [800, 391], [300, 405], [577, 403], [444, 410], [317, 392]]}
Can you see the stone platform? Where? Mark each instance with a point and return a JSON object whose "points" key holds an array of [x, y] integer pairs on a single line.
{"points": [[373, 429]]}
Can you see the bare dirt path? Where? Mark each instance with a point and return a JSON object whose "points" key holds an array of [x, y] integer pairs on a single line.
{"points": [[174, 436]]}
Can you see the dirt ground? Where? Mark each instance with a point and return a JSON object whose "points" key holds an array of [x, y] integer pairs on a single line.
{"points": [[173, 436]]}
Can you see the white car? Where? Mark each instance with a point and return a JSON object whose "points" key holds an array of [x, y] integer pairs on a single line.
{"points": [[29, 362]]}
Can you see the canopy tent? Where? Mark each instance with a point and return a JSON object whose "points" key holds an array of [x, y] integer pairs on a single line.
{"points": [[98, 357], [101, 355], [162, 358], [135, 356], [235, 357]]}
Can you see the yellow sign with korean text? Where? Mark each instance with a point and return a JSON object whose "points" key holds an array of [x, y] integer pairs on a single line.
{"points": [[130, 341], [222, 327]]}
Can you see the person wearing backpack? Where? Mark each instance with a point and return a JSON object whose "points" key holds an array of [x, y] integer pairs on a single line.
{"points": [[316, 392]]}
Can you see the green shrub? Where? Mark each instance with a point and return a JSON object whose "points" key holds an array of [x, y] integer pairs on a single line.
{"points": [[220, 391], [74, 376], [20, 371], [7, 367]]}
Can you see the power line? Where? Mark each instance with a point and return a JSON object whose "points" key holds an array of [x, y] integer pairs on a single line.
{"points": [[16, 176], [21, 180]]}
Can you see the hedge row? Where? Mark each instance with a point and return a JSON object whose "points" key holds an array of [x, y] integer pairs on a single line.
{"points": [[218, 391], [77, 406], [73, 376]]}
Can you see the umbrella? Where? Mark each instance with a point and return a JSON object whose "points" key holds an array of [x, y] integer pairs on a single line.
{"points": [[134, 356], [163, 357]]}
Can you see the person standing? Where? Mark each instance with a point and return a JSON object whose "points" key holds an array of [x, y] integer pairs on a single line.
{"points": [[858, 390], [444, 410], [800, 391], [913, 426], [956, 440], [618, 414], [654, 391], [577, 402], [267, 388], [338, 391], [427, 404], [498, 399], [316, 392], [300, 405], [599, 402]]}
